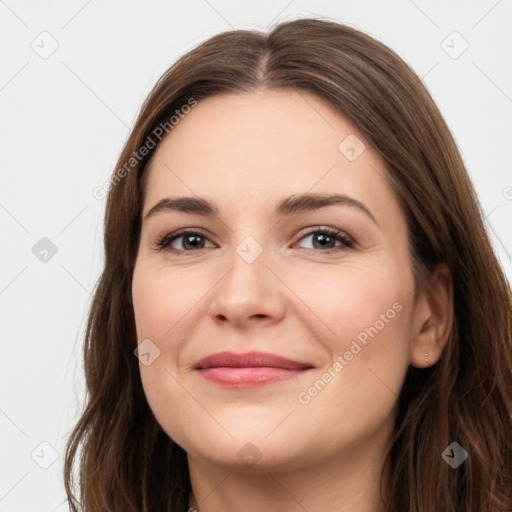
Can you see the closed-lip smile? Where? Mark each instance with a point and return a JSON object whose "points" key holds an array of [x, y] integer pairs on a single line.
{"points": [[249, 359], [248, 369]]}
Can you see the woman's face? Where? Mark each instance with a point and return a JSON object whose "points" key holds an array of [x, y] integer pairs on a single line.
{"points": [[263, 275]]}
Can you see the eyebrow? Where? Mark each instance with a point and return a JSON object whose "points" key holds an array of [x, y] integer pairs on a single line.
{"points": [[289, 206]]}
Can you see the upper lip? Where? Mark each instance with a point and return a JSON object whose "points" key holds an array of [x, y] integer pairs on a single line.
{"points": [[249, 359]]}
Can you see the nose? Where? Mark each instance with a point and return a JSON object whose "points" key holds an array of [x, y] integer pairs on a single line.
{"points": [[250, 293]]}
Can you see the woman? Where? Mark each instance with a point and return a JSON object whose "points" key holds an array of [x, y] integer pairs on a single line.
{"points": [[296, 255]]}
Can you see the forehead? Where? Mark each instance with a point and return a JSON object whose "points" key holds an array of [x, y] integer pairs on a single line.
{"points": [[264, 145]]}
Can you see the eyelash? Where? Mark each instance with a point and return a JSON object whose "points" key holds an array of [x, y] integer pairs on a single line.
{"points": [[347, 241]]}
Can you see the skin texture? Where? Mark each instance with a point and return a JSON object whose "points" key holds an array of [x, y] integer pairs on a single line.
{"points": [[246, 153]]}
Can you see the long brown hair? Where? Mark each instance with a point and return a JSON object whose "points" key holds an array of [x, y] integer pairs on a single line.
{"points": [[128, 463]]}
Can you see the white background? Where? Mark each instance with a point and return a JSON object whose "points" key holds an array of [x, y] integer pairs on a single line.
{"points": [[64, 119]]}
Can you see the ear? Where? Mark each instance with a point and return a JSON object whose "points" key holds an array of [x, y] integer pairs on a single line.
{"points": [[433, 318]]}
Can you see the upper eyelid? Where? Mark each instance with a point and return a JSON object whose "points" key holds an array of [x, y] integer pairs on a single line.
{"points": [[185, 231]]}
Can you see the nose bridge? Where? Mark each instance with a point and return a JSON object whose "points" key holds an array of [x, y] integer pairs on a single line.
{"points": [[248, 288]]}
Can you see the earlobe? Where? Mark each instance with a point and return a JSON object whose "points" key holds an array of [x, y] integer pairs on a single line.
{"points": [[435, 318]]}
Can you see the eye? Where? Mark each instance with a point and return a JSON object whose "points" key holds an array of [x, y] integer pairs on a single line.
{"points": [[324, 238], [191, 241]]}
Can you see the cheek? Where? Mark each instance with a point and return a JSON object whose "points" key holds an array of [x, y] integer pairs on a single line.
{"points": [[161, 301], [365, 327], [351, 302], [369, 350]]}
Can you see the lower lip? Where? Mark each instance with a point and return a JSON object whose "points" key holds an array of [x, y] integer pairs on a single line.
{"points": [[248, 377]]}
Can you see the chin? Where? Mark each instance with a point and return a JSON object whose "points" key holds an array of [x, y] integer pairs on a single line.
{"points": [[247, 448]]}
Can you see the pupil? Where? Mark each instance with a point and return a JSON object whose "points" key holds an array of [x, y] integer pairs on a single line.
{"points": [[188, 241], [322, 237]]}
